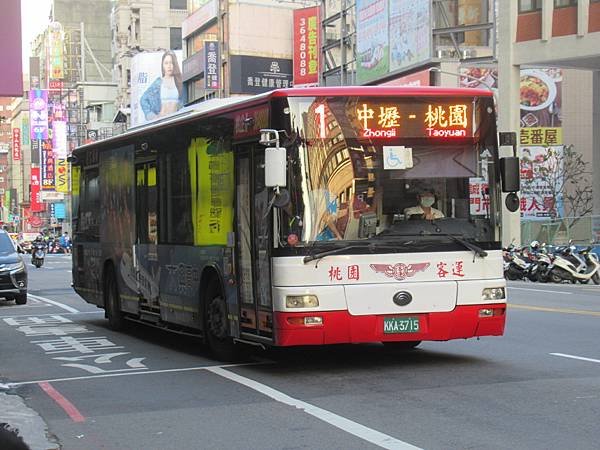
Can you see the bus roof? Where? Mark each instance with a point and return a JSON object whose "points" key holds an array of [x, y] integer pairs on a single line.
{"points": [[221, 105]]}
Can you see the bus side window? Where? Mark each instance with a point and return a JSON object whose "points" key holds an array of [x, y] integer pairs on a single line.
{"points": [[90, 204]]}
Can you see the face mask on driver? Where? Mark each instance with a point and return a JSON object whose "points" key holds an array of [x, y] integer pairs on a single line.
{"points": [[427, 201]]}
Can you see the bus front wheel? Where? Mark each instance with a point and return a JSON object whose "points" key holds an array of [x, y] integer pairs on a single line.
{"points": [[112, 302], [217, 335]]}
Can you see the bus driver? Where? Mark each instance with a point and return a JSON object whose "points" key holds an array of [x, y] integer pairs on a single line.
{"points": [[425, 207]]}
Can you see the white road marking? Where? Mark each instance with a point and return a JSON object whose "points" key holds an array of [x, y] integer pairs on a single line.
{"points": [[541, 290], [49, 314], [581, 358], [122, 374], [347, 425], [52, 302]]}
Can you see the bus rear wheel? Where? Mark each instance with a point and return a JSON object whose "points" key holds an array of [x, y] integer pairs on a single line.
{"points": [[216, 328], [112, 302]]}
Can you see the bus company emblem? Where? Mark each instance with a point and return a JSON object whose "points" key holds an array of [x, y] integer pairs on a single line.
{"points": [[399, 271]]}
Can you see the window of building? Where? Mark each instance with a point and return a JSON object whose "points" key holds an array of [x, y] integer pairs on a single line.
{"points": [[178, 4], [562, 3], [196, 42], [530, 5], [175, 41]]}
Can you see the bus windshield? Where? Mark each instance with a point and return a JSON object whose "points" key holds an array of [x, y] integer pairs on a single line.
{"points": [[365, 168]]}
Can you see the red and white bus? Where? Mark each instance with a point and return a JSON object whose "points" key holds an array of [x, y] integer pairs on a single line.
{"points": [[300, 217]]}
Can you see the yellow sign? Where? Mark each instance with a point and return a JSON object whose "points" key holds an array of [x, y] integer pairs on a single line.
{"points": [[61, 175], [75, 171], [543, 137], [212, 185]]}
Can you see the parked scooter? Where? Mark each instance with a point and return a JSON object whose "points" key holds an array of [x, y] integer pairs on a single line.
{"points": [[515, 266], [573, 266], [544, 264], [38, 253]]}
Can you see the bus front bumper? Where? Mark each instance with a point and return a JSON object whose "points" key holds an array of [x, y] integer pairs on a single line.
{"points": [[338, 327]]}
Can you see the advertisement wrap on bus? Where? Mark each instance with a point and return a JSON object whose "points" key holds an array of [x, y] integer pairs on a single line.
{"points": [[307, 216]]}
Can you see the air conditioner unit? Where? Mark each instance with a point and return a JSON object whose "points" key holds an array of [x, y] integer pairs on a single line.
{"points": [[468, 53], [446, 53]]}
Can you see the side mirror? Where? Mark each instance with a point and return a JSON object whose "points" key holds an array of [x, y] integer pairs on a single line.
{"points": [[510, 174], [512, 202], [275, 167]]}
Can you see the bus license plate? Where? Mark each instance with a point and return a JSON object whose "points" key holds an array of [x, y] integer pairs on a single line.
{"points": [[393, 325]]}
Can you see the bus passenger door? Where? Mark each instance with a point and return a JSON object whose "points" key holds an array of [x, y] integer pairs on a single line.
{"points": [[253, 225], [146, 240]]}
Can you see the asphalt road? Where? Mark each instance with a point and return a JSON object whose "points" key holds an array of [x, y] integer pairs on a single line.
{"points": [[62, 369]]}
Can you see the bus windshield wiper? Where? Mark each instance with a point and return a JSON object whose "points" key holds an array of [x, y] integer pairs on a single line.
{"points": [[333, 251], [371, 245], [476, 249]]}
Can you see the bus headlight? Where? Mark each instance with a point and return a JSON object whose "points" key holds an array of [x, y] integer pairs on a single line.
{"points": [[496, 293], [301, 301]]}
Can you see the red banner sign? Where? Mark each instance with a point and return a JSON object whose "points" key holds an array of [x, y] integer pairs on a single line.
{"points": [[16, 144], [36, 202], [307, 46]]}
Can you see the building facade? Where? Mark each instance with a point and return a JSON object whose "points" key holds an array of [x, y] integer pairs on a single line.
{"points": [[141, 26], [562, 34], [382, 42], [237, 48]]}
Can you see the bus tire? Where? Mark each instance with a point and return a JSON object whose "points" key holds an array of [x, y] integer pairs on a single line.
{"points": [[402, 345], [216, 325], [112, 302]]}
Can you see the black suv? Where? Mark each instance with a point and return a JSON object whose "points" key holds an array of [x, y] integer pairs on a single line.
{"points": [[13, 273]]}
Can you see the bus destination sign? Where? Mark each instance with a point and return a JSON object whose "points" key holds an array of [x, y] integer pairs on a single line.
{"points": [[432, 120], [373, 118]]}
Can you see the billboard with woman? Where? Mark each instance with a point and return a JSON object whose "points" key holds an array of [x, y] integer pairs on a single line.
{"points": [[156, 85]]}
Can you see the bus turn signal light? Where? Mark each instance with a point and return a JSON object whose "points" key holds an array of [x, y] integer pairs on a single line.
{"points": [[308, 321], [490, 312]]}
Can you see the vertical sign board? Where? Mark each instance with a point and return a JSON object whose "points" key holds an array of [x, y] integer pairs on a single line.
{"points": [[212, 70], [59, 137], [541, 144], [35, 151], [56, 37], [25, 130], [38, 114], [16, 144], [61, 175], [306, 46], [48, 179], [36, 203], [34, 72]]}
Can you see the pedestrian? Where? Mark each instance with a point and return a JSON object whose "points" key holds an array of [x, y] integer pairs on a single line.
{"points": [[65, 242]]}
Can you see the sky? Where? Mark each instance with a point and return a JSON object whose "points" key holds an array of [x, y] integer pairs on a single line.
{"points": [[34, 19]]}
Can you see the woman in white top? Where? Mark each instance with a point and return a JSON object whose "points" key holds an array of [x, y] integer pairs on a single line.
{"points": [[164, 96]]}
